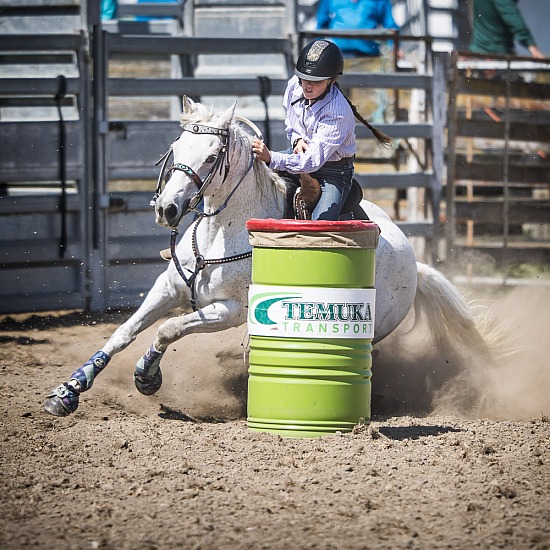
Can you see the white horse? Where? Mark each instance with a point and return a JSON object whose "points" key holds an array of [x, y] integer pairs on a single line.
{"points": [[211, 265]]}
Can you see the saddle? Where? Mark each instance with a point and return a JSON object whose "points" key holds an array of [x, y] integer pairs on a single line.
{"points": [[303, 193]]}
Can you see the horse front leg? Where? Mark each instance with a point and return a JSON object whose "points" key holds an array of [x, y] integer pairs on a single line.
{"points": [[214, 317], [161, 298]]}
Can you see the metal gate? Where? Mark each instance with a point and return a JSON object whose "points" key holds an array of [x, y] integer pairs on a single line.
{"points": [[67, 241], [76, 228], [76, 177], [45, 151]]}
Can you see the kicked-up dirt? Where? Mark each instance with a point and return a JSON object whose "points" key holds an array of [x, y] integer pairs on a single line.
{"points": [[457, 454]]}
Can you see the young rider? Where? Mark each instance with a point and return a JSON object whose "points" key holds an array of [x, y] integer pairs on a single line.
{"points": [[320, 124]]}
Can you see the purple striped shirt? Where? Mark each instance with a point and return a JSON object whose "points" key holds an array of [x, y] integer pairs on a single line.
{"points": [[327, 126]]}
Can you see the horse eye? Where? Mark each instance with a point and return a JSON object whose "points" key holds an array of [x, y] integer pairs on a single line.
{"points": [[211, 158]]}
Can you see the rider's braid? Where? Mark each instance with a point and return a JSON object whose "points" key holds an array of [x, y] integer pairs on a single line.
{"points": [[383, 138]]}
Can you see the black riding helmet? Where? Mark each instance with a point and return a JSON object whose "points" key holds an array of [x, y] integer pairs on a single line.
{"points": [[320, 60]]}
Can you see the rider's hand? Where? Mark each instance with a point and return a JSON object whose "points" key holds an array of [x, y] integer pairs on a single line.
{"points": [[261, 151]]}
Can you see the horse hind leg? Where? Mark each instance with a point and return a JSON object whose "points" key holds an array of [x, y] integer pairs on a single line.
{"points": [[65, 398]]}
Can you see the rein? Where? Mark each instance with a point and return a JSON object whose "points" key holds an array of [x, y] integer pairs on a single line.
{"points": [[200, 261]]}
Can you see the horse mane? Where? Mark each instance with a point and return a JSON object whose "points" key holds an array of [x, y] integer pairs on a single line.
{"points": [[266, 179], [264, 176]]}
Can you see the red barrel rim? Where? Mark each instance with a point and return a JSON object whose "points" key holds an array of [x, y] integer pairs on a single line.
{"points": [[270, 224]]}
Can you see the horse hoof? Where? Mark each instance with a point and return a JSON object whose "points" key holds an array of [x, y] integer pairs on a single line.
{"points": [[55, 406], [63, 401], [147, 376], [148, 386]]}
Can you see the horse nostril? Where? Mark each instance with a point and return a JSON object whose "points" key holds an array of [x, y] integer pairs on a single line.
{"points": [[171, 212], [160, 211]]}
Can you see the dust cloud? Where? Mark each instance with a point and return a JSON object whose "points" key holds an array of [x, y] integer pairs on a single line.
{"points": [[511, 379], [517, 380], [205, 375]]}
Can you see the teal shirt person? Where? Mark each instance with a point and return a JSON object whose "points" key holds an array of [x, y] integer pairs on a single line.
{"points": [[353, 15], [108, 10], [497, 26]]}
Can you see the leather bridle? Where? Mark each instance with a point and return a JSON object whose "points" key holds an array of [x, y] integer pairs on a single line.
{"points": [[223, 165], [221, 160]]}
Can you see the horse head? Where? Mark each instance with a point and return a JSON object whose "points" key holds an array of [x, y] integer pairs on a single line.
{"points": [[200, 162]]}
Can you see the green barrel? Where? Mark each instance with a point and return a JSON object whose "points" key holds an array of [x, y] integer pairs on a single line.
{"points": [[311, 324]]}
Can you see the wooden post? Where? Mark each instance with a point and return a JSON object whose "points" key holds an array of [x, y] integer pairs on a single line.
{"points": [[439, 114], [469, 185], [451, 155]]}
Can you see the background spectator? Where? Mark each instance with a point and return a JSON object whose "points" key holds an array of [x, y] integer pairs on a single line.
{"points": [[108, 10], [497, 26], [362, 55], [356, 14]]}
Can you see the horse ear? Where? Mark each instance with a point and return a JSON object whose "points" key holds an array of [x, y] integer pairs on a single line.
{"points": [[227, 116], [187, 104]]}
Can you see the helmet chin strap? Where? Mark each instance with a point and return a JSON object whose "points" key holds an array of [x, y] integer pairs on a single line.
{"points": [[325, 93]]}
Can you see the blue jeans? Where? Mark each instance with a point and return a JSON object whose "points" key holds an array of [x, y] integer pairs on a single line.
{"points": [[335, 184]]}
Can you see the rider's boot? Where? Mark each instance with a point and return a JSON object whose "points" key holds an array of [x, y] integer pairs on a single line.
{"points": [[64, 399], [147, 376]]}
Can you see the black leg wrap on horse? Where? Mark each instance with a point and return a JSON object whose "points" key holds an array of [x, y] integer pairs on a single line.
{"points": [[148, 376]]}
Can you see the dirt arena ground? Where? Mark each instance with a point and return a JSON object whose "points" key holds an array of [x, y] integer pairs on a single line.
{"points": [[457, 455]]}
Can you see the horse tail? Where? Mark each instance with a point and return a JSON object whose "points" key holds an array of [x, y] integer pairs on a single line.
{"points": [[449, 316]]}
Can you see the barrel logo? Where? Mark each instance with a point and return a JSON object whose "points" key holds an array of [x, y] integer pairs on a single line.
{"points": [[311, 312]]}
